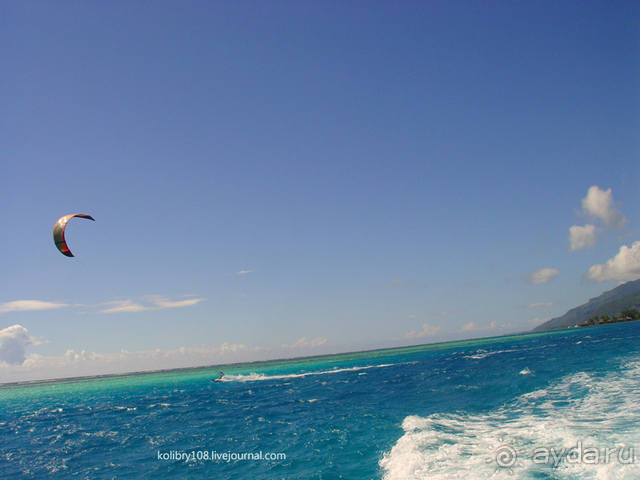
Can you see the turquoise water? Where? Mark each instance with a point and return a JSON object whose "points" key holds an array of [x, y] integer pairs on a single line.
{"points": [[486, 407]]}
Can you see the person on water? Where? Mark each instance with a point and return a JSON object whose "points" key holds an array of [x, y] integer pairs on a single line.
{"points": [[221, 373]]}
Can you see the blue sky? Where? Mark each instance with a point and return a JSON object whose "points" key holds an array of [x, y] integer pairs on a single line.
{"points": [[380, 175]]}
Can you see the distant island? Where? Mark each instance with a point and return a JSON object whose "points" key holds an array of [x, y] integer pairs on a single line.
{"points": [[620, 304], [627, 315]]}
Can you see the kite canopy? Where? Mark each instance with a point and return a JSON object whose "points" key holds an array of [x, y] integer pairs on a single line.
{"points": [[58, 232]]}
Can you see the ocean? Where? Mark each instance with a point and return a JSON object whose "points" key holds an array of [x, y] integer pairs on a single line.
{"points": [[556, 405]]}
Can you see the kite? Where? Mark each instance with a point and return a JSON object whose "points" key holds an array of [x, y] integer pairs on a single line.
{"points": [[58, 232]]}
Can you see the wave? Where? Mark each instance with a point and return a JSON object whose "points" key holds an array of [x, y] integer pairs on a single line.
{"points": [[256, 377], [562, 431]]}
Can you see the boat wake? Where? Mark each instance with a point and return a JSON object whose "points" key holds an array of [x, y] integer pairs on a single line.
{"points": [[256, 377], [583, 426]]}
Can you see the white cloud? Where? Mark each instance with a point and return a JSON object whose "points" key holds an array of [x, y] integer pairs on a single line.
{"points": [[493, 325], [599, 204], [227, 347], [624, 266], [582, 237], [540, 304], [243, 272], [304, 343], [316, 342], [427, 331], [13, 343], [124, 306], [153, 302], [542, 276], [74, 363], [162, 302], [29, 305]]}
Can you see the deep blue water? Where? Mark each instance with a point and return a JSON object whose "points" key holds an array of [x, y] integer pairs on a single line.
{"points": [[475, 409]]}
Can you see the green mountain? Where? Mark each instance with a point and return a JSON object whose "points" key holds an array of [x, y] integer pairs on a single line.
{"points": [[610, 302]]}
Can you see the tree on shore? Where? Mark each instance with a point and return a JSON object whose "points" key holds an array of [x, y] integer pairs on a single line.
{"points": [[624, 316]]}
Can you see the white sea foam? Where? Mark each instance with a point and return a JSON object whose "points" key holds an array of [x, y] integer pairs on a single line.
{"points": [[579, 413], [525, 371], [480, 354], [255, 377]]}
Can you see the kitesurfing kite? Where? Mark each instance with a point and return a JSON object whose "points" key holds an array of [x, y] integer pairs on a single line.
{"points": [[58, 232]]}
